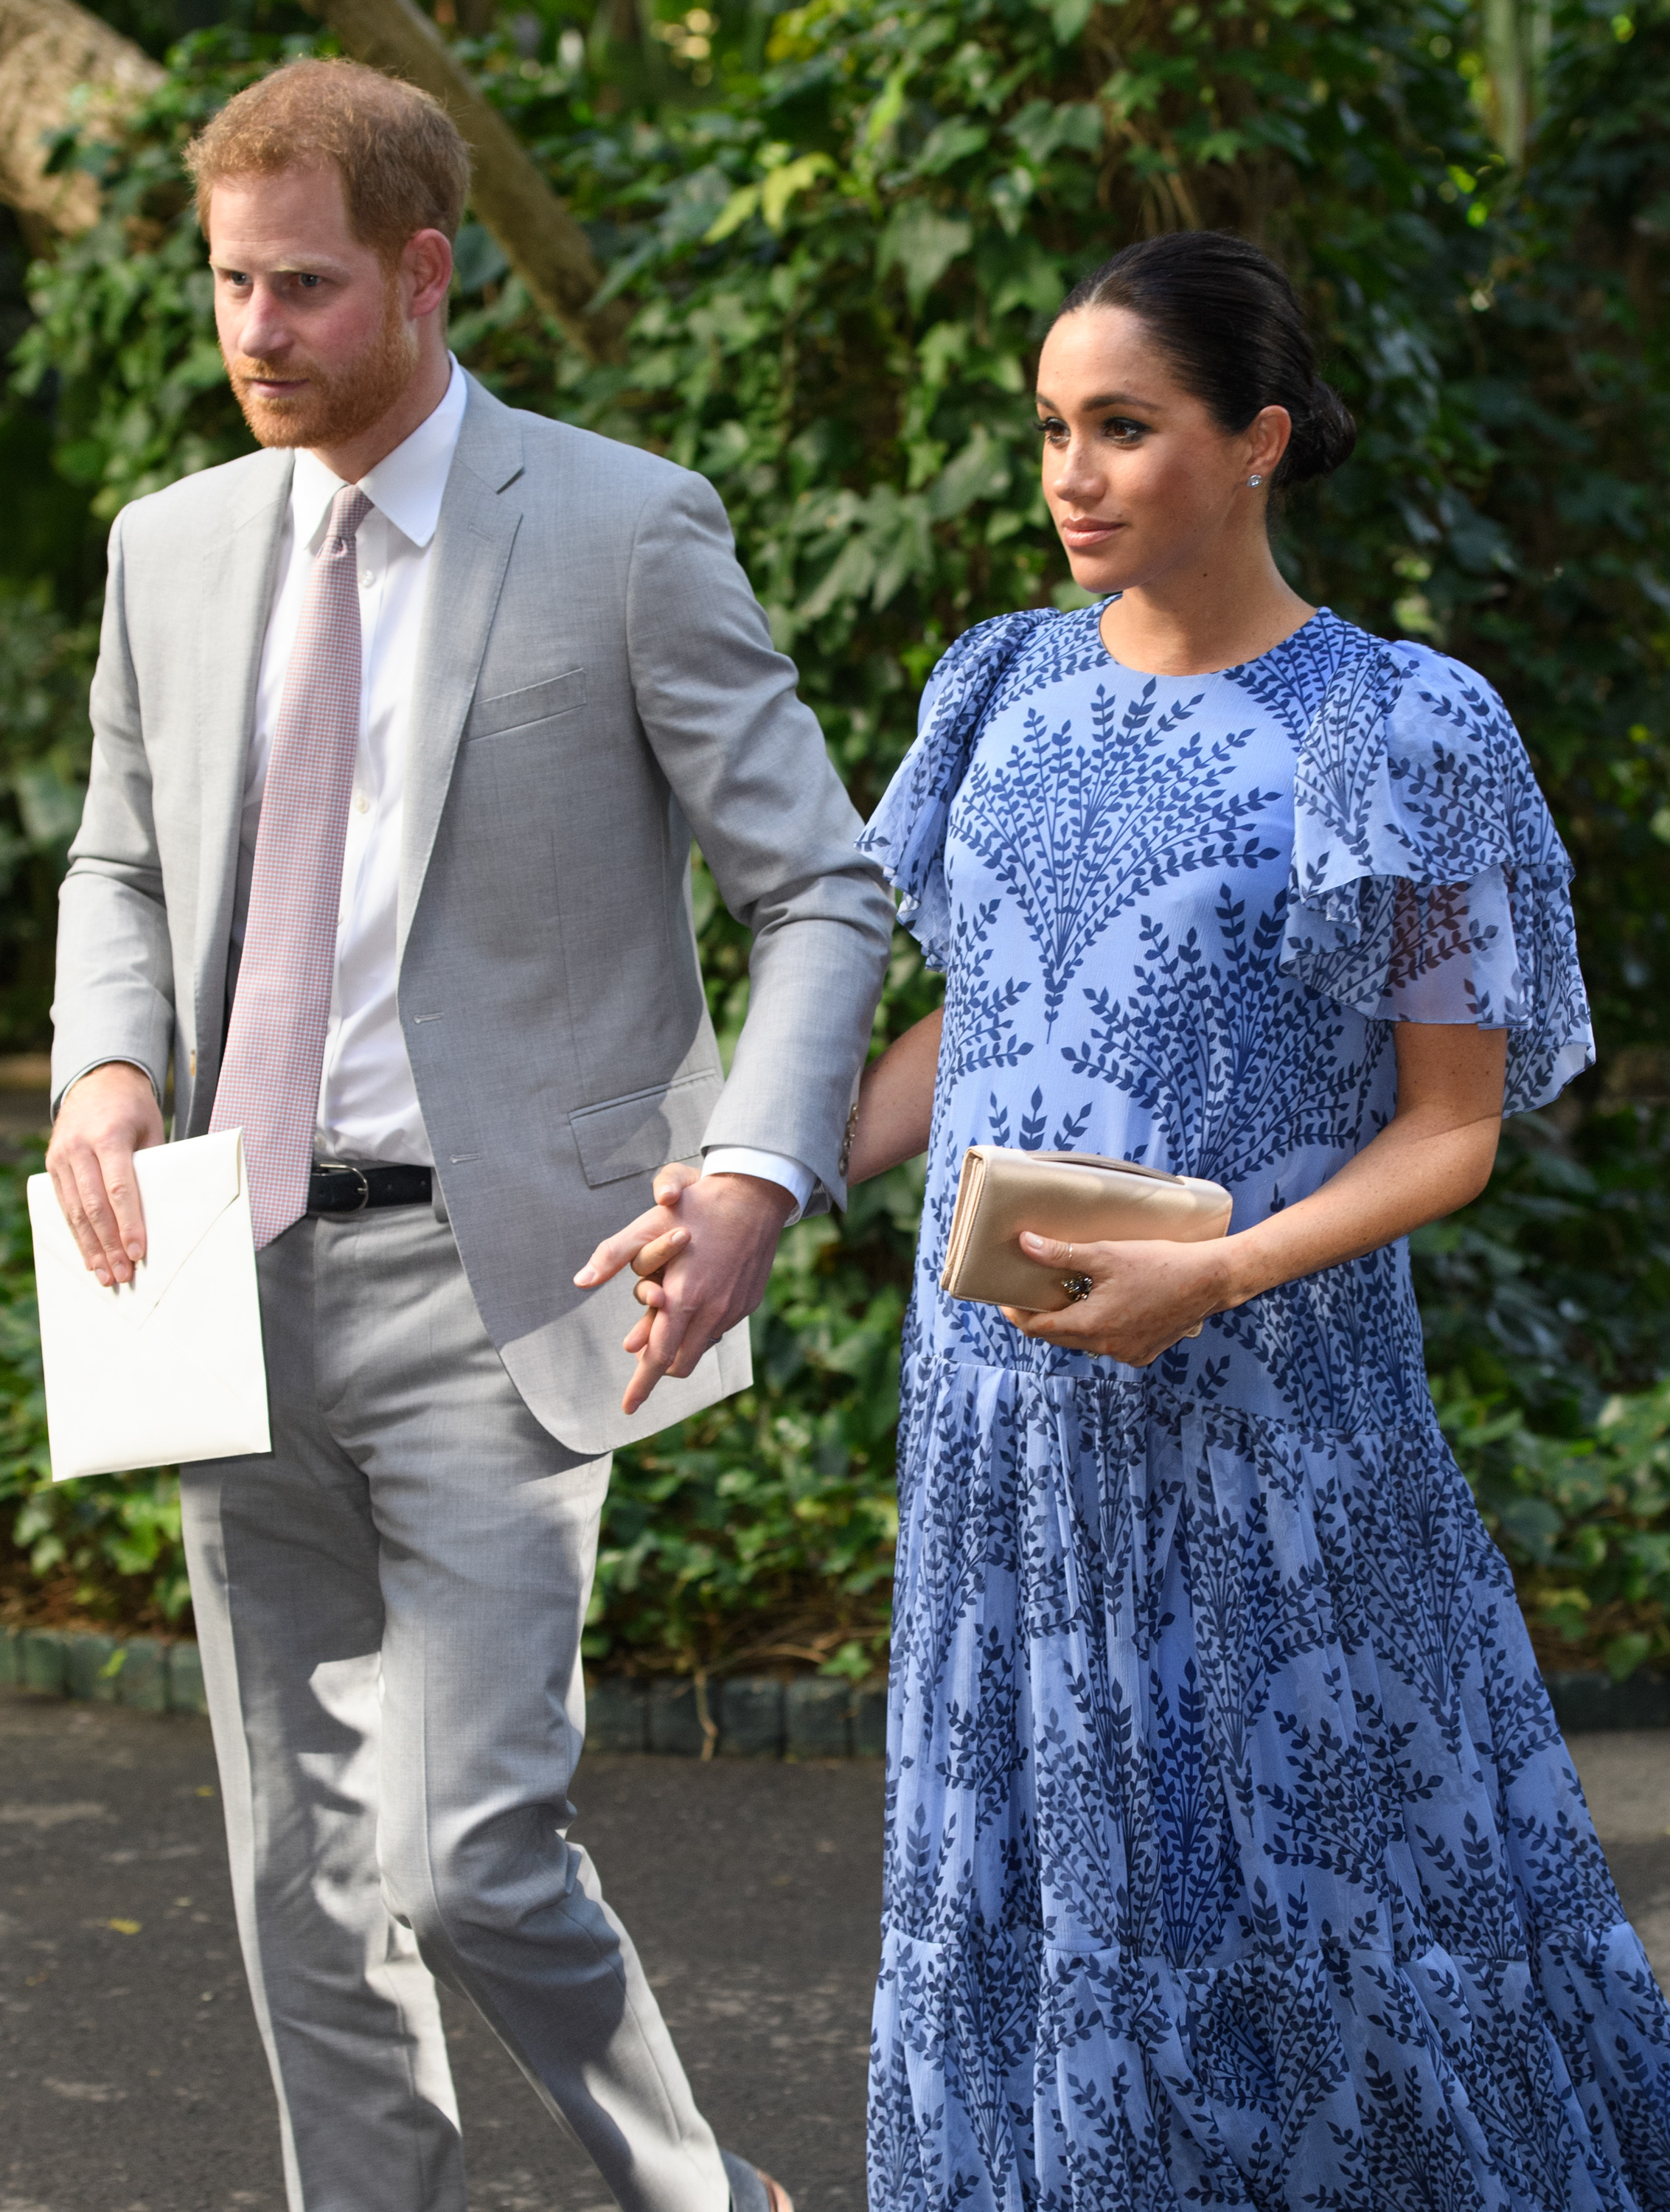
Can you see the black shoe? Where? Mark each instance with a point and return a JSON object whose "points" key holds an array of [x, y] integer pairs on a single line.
{"points": [[751, 2190]]}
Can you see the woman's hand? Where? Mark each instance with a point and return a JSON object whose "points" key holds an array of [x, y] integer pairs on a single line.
{"points": [[647, 1244], [702, 1253], [1144, 1294]]}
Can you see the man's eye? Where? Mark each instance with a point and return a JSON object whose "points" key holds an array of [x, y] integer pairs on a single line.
{"points": [[308, 282]]}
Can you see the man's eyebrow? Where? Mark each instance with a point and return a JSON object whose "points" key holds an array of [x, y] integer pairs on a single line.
{"points": [[1105, 399], [226, 261]]}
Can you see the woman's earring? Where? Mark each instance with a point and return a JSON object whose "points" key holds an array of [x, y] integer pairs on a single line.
{"points": [[1252, 482]]}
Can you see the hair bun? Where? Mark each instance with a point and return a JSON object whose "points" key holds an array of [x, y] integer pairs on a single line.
{"points": [[1324, 436]]}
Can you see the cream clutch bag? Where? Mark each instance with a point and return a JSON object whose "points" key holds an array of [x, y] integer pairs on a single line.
{"points": [[1078, 1198]]}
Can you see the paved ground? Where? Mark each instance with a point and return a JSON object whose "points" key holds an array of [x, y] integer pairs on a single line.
{"points": [[130, 2076], [1626, 1779], [131, 2079]]}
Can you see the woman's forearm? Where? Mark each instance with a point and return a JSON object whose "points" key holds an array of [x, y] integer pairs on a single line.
{"points": [[895, 1102], [1408, 1176], [1434, 1156]]}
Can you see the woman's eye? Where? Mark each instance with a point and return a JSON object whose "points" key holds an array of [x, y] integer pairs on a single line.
{"points": [[1124, 432], [1052, 427]]}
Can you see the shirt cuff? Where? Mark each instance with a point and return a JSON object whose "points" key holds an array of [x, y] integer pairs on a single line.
{"points": [[771, 1167], [111, 1060]]}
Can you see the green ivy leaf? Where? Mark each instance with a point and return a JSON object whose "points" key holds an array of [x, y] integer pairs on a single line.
{"points": [[922, 244]]}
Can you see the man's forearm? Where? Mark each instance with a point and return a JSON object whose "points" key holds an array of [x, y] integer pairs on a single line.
{"points": [[813, 989], [114, 999]]}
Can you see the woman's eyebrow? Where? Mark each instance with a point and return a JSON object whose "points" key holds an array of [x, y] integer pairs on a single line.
{"points": [[1102, 399]]}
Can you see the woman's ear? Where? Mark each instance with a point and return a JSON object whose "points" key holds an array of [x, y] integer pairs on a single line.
{"points": [[1267, 439]]}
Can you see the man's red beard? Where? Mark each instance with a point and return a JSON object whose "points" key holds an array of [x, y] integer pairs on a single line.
{"points": [[333, 405]]}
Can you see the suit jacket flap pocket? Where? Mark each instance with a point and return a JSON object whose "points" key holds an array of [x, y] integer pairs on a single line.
{"points": [[639, 1134], [537, 703]]}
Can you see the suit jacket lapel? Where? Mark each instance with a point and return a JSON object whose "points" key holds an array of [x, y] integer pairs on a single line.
{"points": [[479, 516], [238, 574]]}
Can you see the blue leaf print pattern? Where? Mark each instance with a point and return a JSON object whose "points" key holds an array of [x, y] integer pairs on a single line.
{"points": [[1234, 1858]]}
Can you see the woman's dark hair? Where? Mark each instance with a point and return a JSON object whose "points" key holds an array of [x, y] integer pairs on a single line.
{"points": [[1230, 324]]}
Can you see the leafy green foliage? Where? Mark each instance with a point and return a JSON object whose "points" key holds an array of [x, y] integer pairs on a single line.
{"points": [[1552, 1292], [844, 237], [124, 328], [109, 1547], [45, 666], [1586, 1522], [1558, 584], [1545, 1308]]}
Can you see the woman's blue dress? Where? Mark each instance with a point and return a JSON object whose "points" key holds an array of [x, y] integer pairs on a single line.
{"points": [[1233, 1855]]}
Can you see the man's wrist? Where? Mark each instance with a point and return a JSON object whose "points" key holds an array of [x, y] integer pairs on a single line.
{"points": [[788, 1175], [93, 1067], [767, 1189]]}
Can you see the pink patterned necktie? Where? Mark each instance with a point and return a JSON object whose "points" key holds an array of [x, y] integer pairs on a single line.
{"points": [[274, 1044]]}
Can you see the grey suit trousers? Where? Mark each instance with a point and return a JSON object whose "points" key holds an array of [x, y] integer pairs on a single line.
{"points": [[390, 1608]]}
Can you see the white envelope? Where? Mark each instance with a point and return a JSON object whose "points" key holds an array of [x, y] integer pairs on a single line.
{"points": [[168, 1367]]}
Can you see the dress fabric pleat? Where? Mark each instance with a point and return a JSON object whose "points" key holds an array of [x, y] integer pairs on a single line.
{"points": [[1234, 1857]]}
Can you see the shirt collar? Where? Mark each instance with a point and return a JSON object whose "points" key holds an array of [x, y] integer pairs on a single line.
{"points": [[406, 485]]}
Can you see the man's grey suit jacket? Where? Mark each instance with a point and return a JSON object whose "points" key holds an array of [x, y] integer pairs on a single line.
{"points": [[597, 684]]}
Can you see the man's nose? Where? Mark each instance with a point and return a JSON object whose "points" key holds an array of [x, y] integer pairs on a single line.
{"points": [[262, 332]]}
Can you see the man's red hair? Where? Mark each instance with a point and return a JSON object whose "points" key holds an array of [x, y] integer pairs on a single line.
{"points": [[403, 166]]}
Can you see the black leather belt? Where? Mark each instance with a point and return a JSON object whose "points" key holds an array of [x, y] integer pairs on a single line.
{"points": [[334, 1186]]}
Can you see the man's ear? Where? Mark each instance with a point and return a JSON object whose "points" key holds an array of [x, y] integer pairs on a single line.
{"points": [[426, 272]]}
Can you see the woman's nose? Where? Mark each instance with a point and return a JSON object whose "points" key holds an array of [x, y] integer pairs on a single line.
{"points": [[1078, 480]]}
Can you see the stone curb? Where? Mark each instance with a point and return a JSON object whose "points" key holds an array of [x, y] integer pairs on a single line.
{"points": [[745, 1716], [1591, 1704], [141, 1671], [740, 1716]]}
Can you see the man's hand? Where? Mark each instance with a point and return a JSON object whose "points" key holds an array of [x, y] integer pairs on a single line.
{"points": [[702, 1253], [107, 1115]]}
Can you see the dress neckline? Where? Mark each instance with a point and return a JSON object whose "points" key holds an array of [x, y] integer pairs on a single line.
{"points": [[1323, 614]]}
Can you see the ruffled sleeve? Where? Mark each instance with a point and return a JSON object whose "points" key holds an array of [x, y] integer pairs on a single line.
{"points": [[906, 832], [1428, 883]]}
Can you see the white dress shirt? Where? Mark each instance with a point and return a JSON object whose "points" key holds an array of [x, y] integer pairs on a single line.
{"points": [[367, 1105]]}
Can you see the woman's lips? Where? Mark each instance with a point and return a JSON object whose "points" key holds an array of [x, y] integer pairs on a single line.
{"points": [[1083, 536]]}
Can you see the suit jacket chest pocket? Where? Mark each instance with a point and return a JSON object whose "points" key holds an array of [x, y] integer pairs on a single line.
{"points": [[521, 711]]}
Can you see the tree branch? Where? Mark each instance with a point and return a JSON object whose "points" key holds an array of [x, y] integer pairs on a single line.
{"points": [[539, 238], [48, 48]]}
